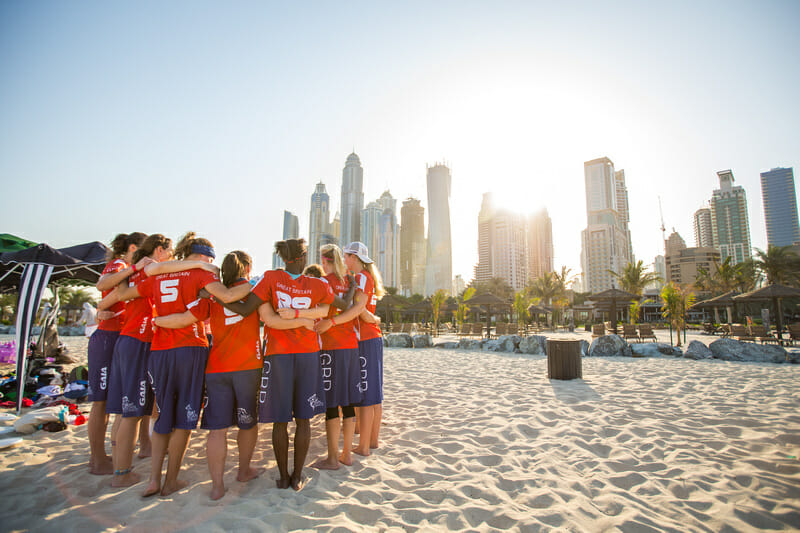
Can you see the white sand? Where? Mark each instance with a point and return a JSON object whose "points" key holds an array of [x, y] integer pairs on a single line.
{"points": [[482, 441]]}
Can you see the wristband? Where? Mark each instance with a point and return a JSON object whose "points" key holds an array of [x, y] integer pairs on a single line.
{"points": [[333, 321], [133, 266], [296, 313]]}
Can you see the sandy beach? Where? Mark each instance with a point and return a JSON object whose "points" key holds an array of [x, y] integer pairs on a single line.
{"points": [[481, 441]]}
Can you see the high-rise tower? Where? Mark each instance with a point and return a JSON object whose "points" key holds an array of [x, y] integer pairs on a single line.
{"points": [[412, 247], [703, 230], [352, 201], [780, 207], [502, 245], [729, 221], [540, 244], [439, 257], [318, 221], [291, 230]]}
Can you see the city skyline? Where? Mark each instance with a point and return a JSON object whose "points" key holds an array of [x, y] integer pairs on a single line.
{"points": [[268, 101]]}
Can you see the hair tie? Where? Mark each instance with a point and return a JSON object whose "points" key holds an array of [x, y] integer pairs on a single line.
{"points": [[205, 250]]}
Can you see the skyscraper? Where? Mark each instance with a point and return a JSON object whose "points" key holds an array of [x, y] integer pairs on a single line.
{"points": [[370, 219], [703, 230], [540, 244], [388, 239], [780, 207], [318, 221], [606, 239], [291, 230], [412, 247], [729, 222], [682, 264], [439, 267], [336, 229], [502, 245], [352, 201]]}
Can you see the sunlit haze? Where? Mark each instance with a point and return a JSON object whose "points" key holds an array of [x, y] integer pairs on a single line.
{"points": [[215, 117]]}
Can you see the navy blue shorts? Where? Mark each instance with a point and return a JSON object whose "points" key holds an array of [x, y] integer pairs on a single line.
{"points": [[231, 398], [291, 387], [129, 391], [177, 376], [371, 383], [341, 370], [101, 350]]}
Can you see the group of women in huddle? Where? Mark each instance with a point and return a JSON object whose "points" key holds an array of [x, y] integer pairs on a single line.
{"points": [[321, 352]]}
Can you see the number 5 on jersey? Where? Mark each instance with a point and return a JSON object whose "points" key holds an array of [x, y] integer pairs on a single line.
{"points": [[169, 290]]}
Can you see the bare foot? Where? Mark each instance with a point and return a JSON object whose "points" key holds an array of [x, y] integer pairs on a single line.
{"points": [[345, 459], [282, 483], [298, 482], [179, 484], [145, 452], [103, 467], [152, 489], [217, 492], [359, 451], [247, 475], [373, 445], [326, 464], [125, 480]]}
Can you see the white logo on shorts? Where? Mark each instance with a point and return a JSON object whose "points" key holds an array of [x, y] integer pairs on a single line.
{"points": [[243, 416], [191, 414], [103, 378], [314, 402], [127, 406], [142, 392]]}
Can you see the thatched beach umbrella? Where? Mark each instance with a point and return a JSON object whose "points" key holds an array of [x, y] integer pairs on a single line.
{"points": [[487, 300], [387, 303], [612, 296], [423, 307], [773, 293], [536, 310], [723, 300]]}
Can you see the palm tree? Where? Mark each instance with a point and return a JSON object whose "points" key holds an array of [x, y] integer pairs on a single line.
{"points": [[496, 286], [746, 275], [546, 287], [778, 264], [521, 303], [437, 300], [676, 300], [461, 313], [634, 278]]}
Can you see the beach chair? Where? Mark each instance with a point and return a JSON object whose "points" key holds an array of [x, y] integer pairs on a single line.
{"points": [[794, 334], [629, 332], [598, 330], [513, 329], [710, 329], [740, 333], [725, 330], [646, 332], [762, 335], [477, 329]]}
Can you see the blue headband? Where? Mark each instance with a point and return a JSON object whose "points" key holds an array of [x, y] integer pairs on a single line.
{"points": [[202, 249]]}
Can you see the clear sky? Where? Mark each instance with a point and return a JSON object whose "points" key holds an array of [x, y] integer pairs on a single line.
{"points": [[215, 117]]}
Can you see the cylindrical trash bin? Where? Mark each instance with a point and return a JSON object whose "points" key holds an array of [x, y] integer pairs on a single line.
{"points": [[564, 359]]}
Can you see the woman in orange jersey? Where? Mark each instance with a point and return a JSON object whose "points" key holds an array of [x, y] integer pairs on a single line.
{"points": [[129, 393], [370, 346], [233, 374], [178, 356], [101, 348]]}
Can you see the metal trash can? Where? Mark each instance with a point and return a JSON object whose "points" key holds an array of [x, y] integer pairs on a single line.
{"points": [[564, 359]]}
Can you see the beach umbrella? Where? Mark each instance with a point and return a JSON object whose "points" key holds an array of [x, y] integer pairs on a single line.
{"points": [[387, 303], [723, 300], [773, 293], [536, 310], [29, 271], [423, 307], [487, 300], [612, 296], [12, 243]]}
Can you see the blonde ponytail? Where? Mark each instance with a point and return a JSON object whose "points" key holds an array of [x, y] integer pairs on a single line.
{"points": [[333, 253]]}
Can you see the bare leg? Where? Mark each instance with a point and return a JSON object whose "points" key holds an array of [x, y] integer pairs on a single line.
{"points": [[145, 448], [332, 435], [377, 416], [302, 440], [280, 446], [114, 429], [348, 430], [246, 439], [177, 449], [365, 416], [216, 451], [123, 452], [160, 443], [99, 463]]}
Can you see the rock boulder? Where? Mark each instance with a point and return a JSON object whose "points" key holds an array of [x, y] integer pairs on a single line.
{"points": [[609, 345], [697, 350], [733, 350], [400, 340], [422, 341]]}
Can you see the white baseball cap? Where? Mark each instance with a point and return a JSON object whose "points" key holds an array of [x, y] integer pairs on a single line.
{"points": [[359, 250]]}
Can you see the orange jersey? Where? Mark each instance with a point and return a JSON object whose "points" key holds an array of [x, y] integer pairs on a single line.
{"points": [[114, 323], [172, 293], [237, 344], [366, 285], [342, 335], [278, 288], [138, 313]]}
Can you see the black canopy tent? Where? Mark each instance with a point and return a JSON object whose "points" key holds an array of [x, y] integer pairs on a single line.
{"points": [[29, 271]]}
